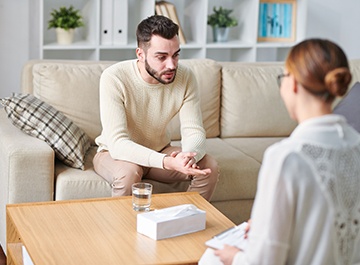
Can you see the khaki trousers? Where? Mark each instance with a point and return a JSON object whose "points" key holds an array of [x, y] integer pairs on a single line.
{"points": [[122, 174]]}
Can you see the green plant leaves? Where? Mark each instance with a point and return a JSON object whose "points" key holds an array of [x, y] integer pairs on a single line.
{"points": [[66, 18], [221, 18]]}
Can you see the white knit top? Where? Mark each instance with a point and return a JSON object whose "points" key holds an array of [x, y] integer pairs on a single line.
{"points": [[135, 114], [307, 205]]}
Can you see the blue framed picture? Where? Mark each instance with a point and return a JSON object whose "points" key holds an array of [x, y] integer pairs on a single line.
{"points": [[277, 20]]}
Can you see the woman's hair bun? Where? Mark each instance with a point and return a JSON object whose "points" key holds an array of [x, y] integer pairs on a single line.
{"points": [[337, 81]]}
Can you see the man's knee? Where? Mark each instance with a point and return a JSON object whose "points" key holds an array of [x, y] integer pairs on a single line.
{"points": [[210, 162], [123, 180]]}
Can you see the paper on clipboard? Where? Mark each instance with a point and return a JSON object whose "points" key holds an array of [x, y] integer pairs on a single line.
{"points": [[233, 237]]}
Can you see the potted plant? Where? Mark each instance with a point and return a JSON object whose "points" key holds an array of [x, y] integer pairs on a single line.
{"points": [[65, 20], [221, 21]]}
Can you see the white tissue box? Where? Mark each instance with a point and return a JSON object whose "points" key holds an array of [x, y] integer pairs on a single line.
{"points": [[171, 221]]}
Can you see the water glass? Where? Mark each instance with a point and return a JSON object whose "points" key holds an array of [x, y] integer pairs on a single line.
{"points": [[141, 196]]}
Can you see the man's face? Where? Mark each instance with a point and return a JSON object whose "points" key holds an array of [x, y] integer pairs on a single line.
{"points": [[160, 60]]}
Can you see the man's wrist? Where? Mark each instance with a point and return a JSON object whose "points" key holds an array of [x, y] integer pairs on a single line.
{"points": [[165, 160]]}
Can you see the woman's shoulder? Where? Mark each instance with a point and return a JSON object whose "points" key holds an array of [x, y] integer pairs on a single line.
{"points": [[283, 147]]}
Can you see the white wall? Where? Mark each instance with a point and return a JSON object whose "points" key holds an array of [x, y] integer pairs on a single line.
{"points": [[338, 21], [14, 43], [333, 19]]}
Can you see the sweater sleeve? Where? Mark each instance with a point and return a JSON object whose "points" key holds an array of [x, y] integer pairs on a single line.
{"points": [[115, 136], [192, 131]]}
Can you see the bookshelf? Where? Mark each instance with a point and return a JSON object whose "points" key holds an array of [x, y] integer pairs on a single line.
{"points": [[192, 15]]}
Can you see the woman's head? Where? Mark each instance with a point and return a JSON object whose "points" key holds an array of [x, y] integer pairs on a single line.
{"points": [[321, 67]]}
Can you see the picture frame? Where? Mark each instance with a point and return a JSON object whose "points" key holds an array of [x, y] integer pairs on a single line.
{"points": [[277, 21]]}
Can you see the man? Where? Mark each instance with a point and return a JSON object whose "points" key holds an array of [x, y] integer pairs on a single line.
{"points": [[138, 98]]}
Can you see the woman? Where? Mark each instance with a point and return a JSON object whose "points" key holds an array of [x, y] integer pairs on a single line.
{"points": [[307, 207]]}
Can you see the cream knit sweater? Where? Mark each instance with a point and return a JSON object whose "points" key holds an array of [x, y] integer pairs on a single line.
{"points": [[135, 114]]}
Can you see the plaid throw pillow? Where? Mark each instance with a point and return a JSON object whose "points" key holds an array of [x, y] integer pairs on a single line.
{"points": [[39, 119]]}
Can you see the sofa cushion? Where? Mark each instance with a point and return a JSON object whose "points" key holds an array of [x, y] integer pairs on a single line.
{"points": [[239, 161], [208, 76], [253, 147], [42, 121], [74, 184], [244, 84], [349, 107], [73, 89]]}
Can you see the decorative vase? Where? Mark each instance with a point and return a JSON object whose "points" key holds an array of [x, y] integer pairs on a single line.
{"points": [[220, 34], [64, 37]]}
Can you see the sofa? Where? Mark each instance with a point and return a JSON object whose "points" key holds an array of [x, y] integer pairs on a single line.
{"points": [[242, 112]]}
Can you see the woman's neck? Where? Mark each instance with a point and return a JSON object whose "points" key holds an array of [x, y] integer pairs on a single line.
{"points": [[312, 108]]}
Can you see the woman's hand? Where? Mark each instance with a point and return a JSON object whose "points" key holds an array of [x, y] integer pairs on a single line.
{"points": [[247, 228], [226, 254]]}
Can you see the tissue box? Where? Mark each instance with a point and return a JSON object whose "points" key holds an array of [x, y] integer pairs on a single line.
{"points": [[171, 221]]}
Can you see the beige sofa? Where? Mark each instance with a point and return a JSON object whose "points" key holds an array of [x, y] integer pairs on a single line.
{"points": [[242, 111]]}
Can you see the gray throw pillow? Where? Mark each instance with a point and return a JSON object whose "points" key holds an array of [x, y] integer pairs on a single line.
{"points": [[349, 107], [39, 119]]}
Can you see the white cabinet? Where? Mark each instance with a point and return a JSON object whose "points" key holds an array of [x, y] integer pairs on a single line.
{"points": [[90, 45]]}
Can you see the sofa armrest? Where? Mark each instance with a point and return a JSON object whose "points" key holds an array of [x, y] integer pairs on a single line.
{"points": [[26, 170], [27, 166]]}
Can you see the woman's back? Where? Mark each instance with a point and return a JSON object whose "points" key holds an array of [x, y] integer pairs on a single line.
{"points": [[307, 205], [317, 171]]}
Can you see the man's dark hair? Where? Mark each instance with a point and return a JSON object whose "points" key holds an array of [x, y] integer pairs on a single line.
{"points": [[155, 25]]}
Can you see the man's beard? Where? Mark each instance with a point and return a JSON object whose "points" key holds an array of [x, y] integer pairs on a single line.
{"points": [[152, 72]]}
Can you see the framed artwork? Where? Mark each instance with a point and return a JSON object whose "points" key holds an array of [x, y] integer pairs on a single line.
{"points": [[277, 20]]}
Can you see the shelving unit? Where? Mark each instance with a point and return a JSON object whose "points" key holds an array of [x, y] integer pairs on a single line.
{"points": [[242, 45]]}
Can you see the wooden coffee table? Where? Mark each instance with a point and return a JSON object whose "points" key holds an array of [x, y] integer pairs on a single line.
{"points": [[103, 231]]}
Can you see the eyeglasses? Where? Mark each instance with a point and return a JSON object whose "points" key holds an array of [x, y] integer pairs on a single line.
{"points": [[280, 78]]}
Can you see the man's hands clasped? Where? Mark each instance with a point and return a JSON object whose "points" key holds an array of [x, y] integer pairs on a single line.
{"points": [[184, 162]]}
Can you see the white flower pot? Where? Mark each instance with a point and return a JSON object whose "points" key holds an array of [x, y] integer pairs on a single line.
{"points": [[65, 37]]}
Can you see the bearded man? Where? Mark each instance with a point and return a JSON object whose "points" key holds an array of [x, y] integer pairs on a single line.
{"points": [[138, 99]]}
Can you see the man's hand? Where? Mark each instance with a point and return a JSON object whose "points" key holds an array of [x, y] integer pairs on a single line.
{"points": [[184, 162]]}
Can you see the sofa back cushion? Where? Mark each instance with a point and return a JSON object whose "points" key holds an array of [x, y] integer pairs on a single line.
{"points": [[208, 76], [72, 89], [251, 105]]}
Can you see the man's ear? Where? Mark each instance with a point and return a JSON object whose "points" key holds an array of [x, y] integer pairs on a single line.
{"points": [[140, 54]]}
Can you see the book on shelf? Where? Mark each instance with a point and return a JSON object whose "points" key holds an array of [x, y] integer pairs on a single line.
{"points": [[164, 9], [168, 10], [157, 9]]}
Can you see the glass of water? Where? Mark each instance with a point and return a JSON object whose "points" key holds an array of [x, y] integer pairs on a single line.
{"points": [[141, 196]]}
